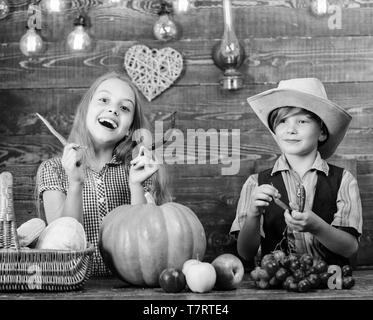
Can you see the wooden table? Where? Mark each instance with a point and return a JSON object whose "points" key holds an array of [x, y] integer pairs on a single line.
{"points": [[113, 289]]}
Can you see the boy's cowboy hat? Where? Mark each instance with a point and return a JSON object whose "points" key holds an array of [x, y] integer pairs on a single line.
{"points": [[309, 94]]}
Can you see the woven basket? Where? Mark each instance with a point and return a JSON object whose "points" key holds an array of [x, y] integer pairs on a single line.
{"points": [[24, 269]]}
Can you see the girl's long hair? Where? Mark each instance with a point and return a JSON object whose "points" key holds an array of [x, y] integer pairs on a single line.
{"points": [[125, 148]]}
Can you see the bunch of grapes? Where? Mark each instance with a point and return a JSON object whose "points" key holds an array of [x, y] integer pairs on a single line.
{"points": [[298, 273]]}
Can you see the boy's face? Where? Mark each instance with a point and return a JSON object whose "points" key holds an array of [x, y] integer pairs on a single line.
{"points": [[110, 112], [298, 134]]}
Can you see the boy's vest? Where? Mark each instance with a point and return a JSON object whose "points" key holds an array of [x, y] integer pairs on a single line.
{"points": [[324, 205]]}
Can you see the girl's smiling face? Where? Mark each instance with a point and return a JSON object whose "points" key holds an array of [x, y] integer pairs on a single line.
{"points": [[298, 133], [110, 112]]}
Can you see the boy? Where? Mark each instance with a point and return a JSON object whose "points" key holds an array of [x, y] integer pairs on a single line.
{"points": [[307, 128]]}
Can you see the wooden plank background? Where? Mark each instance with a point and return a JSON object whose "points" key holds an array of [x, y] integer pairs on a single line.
{"points": [[282, 39]]}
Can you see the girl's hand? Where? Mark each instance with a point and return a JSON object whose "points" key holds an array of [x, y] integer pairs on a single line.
{"points": [[306, 221], [142, 167], [261, 197], [72, 155]]}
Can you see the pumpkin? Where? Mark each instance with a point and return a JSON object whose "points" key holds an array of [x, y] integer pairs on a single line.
{"points": [[65, 233], [137, 242]]}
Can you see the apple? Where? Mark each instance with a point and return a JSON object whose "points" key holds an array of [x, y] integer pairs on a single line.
{"points": [[188, 263], [229, 271], [200, 276]]}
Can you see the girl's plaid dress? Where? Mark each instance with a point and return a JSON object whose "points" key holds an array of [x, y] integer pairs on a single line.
{"points": [[102, 192]]}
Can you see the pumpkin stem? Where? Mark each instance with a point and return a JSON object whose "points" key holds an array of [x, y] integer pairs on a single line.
{"points": [[149, 198]]}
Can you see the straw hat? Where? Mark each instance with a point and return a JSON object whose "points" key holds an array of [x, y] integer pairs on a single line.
{"points": [[309, 94]]}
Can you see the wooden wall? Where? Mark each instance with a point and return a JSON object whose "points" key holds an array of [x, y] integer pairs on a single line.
{"points": [[282, 39]]}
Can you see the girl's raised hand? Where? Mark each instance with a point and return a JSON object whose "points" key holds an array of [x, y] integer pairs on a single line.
{"points": [[142, 167], [71, 160], [261, 197]]}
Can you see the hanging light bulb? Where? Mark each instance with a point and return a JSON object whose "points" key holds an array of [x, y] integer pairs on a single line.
{"points": [[228, 55], [79, 39], [4, 9], [319, 7], [165, 29], [114, 1], [54, 5], [31, 43], [181, 6]]}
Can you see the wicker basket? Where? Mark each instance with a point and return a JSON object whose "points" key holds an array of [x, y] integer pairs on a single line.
{"points": [[24, 269]]}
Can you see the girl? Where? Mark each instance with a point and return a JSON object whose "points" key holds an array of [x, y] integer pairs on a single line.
{"points": [[307, 128], [100, 169]]}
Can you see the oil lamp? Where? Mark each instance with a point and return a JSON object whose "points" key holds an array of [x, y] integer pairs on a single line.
{"points": [[228, 54]]}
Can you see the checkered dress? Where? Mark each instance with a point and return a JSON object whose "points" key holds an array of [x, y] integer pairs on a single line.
{"points": [[103, 191]]}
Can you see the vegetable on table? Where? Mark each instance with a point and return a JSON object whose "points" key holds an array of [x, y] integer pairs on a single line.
{"points": [[29, 232], [137, 242]]}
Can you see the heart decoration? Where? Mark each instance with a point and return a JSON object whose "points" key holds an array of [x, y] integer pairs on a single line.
{"points": [[152, 70]]}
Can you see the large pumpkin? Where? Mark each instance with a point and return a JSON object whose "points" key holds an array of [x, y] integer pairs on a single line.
{"points": [[137, 242]]}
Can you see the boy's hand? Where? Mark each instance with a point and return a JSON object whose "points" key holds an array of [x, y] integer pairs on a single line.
{"points": [[306, 221], [261, 197], [142, 167], [72, 155]]}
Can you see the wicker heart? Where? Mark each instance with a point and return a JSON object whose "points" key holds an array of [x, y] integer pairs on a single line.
{"points": [[151, 70]]}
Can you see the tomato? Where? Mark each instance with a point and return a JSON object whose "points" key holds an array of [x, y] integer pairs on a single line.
{"points": [[346, 271], [172, 280]]}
